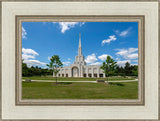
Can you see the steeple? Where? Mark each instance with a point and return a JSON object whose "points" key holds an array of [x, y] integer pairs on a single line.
{"points": [[79, 40], [79, 47], [79, 59]]}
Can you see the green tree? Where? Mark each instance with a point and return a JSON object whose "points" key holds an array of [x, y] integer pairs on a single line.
{"points": [[55, 64], [118, 71], [127, 69], [122, 71], [25, 70], [109, 66], [134, 70]]}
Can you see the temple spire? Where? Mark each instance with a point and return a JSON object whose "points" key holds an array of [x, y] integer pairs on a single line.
{"points": [[79, 40], [79, 47]]}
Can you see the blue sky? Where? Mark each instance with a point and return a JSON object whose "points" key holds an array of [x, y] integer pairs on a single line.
{"points": [[41, 40]]}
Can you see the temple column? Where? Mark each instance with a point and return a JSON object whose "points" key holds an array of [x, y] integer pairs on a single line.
{"points": [[79, 69], [98, 72], [92, 72], [61, 73], [69, 72], [82, 71], [86, 72], [64, 72]]}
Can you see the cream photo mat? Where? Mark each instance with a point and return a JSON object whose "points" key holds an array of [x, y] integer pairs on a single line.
{"points": [[148, 9]]}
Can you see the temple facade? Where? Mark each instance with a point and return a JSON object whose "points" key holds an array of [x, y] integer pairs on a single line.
{"points": [[79, 68]]}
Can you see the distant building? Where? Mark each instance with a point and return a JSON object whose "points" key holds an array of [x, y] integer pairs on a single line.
{"points": [[79, 67]]}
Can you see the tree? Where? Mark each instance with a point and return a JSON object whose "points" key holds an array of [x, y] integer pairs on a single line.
{"points": [[109, 66], [117, 71], [55, 64], [134, 69], [127, 68], [25, 70]]}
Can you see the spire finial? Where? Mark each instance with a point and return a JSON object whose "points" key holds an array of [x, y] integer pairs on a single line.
{"points": [[79, 39], [79, 48]]}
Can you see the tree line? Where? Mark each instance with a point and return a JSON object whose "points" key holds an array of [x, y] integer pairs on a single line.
{"points": [[34, 71], [111, 68], [127, 70]]}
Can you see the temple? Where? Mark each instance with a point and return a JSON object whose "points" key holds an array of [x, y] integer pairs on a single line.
{"points": [[79, 68]]}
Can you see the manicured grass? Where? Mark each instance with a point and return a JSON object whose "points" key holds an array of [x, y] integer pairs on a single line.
{"points": [[76, 90], [76, 79]]}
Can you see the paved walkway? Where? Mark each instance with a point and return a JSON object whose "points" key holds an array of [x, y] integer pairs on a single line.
{"points": [[83, 81]]}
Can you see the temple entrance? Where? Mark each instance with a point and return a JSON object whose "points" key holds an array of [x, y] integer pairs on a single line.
{"points": [[89, 75], [101, 75], [75, 72], [95, 75]]}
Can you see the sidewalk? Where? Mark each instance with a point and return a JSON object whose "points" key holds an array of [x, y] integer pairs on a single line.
{"points": [[82, 81]]}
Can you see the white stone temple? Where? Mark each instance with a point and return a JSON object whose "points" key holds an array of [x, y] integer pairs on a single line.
{"points": [[79, 67]]}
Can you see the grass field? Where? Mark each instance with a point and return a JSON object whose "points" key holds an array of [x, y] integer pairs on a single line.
{"points": [[68, 90], [76, 79]]}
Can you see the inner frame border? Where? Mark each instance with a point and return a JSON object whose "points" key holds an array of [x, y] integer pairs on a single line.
{"points": [[80, 18]]}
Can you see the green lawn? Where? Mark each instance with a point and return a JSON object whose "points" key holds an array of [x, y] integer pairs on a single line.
{"points": [[76, 90], [76, 79]]}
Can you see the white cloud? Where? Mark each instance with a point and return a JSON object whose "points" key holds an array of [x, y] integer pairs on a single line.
{"points": [[29, 55], [122, 52], [64, 26], [127, 54], [91, 58], [130, 53], [69, 59], [26, 57], [24, 33], [81, 23], [96, 63], [29, 51], [133, 50], [122, 63], [124, 33], [103, 57], [135, 60], [111, 38], [133, 56], [66, 63], [33, 63]]}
